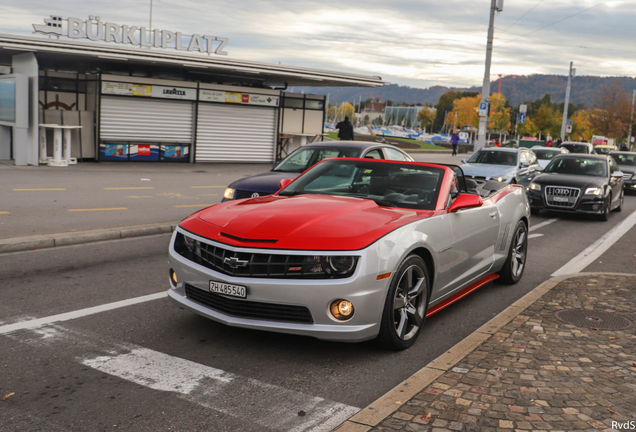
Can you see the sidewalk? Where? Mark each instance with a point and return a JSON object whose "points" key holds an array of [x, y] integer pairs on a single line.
{"points": [[563, 358]]}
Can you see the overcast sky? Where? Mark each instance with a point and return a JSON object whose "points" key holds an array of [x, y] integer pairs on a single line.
{"points": [[415, 43]]}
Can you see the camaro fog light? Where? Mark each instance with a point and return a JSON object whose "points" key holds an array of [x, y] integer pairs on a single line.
{"points": [[341, 309], [173, 278], [341, 264], [229, 193]]}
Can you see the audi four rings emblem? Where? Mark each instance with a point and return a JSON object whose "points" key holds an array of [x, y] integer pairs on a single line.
{"points": [[234, 262], [561, 192]]}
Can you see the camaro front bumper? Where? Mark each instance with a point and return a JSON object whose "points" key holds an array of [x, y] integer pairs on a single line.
{"points": [[296, 306], [586, 204]]}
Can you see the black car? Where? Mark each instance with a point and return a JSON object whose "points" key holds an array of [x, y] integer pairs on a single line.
{"points": [[627, 163], [305, 157], [578, 147], [578, 183]]}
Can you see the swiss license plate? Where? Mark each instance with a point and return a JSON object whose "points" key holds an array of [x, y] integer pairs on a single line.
{"points": [[561, 199], [228, 289]]}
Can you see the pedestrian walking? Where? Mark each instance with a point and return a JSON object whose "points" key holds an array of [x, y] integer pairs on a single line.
{"points": [[345, 130], [624, 147], [558, 142], [454, 142], [548, 141]]}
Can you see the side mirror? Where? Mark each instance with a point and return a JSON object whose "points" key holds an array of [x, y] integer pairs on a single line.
{"points": [[464, 201], [617, 174], [464, 160], [524, 164], [283, 183]]}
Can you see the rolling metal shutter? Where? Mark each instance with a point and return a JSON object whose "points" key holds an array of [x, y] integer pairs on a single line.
{"points": [[235, 133], [128, 119]]}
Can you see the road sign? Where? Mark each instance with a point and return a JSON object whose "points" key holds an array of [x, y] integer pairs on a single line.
{"points": [[523, 108], [568, 129], [483, 109], [522, 117]]}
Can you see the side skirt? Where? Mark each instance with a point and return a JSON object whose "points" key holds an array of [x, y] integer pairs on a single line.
{"points": [[463, 293]]}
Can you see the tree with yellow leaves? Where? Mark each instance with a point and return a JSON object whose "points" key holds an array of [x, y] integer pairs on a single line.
{"points": [[466, 111], [499, 118], [426, 117]]}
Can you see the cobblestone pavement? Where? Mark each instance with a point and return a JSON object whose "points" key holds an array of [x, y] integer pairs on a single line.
{"points": [[539, 373]]}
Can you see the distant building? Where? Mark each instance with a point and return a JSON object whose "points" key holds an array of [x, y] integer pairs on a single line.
{"points": [[373, 110]]}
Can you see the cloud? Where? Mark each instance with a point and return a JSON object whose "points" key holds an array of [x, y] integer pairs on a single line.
{"points": [[416, 43]]}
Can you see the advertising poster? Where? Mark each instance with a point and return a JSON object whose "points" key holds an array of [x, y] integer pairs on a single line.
{"points": [[175, 153], [144, 152], [7, 99], [113, 152], [231, 97]]}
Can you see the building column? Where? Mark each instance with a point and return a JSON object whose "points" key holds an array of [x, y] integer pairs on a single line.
{"points": [[25, 141]]}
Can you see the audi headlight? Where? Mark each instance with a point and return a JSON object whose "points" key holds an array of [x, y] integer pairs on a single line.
{"points": [[501, 179], [535, 186], [229, 193], [593, 191]]}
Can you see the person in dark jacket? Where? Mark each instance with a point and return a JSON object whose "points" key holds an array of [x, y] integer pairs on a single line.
{"points": [[345, 130], [454, 140]]}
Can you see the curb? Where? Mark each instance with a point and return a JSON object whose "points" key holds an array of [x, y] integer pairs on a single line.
{"points": [[77, 237], [390, 402]]}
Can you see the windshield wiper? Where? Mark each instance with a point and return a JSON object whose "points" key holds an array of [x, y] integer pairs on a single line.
{"points": [[384, 203], [294, 193]]}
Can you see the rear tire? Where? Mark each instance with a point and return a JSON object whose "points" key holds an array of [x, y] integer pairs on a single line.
{"points": [[405, 305], [516, 260]]}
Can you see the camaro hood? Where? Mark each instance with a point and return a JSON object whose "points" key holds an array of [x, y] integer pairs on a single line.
{"points": [[571, 180], [310, 222], [265, 184], [489, 170]]}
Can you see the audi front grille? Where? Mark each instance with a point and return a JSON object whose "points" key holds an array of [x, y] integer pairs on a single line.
{"points": [[561, 196]]}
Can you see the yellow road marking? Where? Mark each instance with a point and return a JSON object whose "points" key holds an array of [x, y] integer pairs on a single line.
{"points": [[194, 205], [41, 189], [129, 188], [206, 187], [143, 196], [208, 195], [98, 209], [5, 213]]}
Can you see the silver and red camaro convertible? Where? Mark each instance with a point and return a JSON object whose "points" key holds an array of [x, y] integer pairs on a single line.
{"points": [[351, 250]]}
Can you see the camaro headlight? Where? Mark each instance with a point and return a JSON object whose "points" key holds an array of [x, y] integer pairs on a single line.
{"points": [[501, 178], [341, 264], [593, 191], [229, 193], [535, 186]]}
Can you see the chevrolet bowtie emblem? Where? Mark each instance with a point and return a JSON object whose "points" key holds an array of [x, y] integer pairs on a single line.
{"points": [[234, 262]]}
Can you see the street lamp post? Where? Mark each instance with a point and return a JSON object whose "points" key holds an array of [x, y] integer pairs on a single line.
{"points": [[567, 101], [495, 6]]}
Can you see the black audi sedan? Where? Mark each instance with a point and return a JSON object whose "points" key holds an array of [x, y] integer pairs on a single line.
{"points": [[578, 183], [627, 163]]}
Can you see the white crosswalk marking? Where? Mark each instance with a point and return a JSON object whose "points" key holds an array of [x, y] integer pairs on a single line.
{"points": [[269, 406]]}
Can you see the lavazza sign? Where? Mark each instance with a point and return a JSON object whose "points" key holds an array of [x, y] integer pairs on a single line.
{"points": [[96, 30]]}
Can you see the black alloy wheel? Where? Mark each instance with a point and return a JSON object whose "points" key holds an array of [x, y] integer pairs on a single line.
{"points": [[607, 205], [406, 305], [516, 260]]}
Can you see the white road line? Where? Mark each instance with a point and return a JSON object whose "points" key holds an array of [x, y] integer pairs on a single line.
{"points": [[541, 225], [585, 258], [531, 236], [39, 322], [265, 404]]}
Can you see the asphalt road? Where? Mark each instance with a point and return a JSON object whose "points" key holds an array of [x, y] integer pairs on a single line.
{"points": [[151, 366]]}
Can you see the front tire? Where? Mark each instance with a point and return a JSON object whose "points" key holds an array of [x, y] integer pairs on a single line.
{"points": [[516, 260], [405, 306], [607, 205]]}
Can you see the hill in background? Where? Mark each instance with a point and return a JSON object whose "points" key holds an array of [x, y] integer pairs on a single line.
{"points": [[517, 90]]}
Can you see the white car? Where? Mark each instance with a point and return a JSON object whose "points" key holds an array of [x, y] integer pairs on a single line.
{"points": [[545, 154]]}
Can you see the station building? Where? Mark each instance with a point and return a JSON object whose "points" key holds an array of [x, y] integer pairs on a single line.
{"points": [[129, 94]]}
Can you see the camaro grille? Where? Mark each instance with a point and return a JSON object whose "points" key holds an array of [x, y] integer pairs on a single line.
{"points": [[258, 265], [561, 196], [249, 309]]}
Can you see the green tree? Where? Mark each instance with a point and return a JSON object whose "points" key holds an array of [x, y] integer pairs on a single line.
{"points": [[426, 117]]}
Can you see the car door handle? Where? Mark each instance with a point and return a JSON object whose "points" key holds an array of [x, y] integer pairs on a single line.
{"points": [[493, 214]]}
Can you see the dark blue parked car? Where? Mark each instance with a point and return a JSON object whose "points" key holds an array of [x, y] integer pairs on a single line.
{"points": [[306, 156]]}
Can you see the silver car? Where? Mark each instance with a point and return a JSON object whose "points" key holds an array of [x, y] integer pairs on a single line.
{"points": [[507, 165], [353, 249]]}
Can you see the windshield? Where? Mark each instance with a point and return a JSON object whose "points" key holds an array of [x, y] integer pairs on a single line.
{"points": [[302, 159], [388, 184], [576, 148], [624, 159], [603, 150], [578, 166], [546, 154], [494, 157]]}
